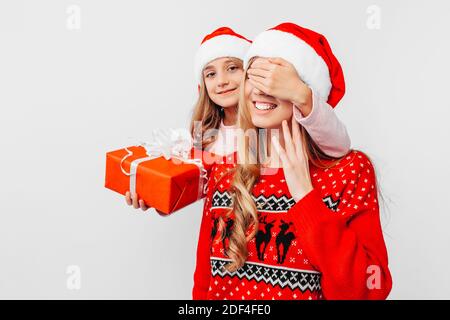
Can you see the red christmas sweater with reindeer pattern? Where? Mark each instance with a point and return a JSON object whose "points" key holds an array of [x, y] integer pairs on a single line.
{"points": [[329, 245]]}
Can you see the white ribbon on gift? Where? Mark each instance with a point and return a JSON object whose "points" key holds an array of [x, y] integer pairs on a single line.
{"points": [[175, 144]]}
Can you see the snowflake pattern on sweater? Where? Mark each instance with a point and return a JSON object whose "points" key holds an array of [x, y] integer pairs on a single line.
{"points": [[282, 262]]}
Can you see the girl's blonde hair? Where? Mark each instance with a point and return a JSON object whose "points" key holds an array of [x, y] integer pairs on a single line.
{"points": [[246, 173], [208, 114]]}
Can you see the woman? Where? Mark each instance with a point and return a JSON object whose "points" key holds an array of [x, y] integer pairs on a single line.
{"points": [[297, 224]]}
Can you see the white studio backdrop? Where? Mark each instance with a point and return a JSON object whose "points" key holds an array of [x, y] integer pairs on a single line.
{"points": [[77, 78]]}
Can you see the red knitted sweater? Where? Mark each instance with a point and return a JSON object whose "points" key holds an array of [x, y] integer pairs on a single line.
{"points": [[329, 245]]}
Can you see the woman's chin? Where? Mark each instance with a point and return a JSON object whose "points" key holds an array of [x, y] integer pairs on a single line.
{"points": [[264, 122]]}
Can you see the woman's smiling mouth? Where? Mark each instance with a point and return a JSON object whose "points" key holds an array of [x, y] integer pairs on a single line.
{"points": [[264, 106]]}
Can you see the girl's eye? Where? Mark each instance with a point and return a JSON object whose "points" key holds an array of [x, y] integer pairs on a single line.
{"points": [[232, 68], [209, 75]]}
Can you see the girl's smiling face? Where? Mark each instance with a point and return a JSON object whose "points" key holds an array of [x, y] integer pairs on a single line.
{"points": [[222, 80], [266, 111]]}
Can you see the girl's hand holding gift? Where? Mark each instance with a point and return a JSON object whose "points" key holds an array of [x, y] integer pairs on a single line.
{"points": [[135, 201], [138, 203]]}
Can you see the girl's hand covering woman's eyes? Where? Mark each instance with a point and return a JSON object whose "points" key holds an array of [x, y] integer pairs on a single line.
{"points": [[278, 78]]}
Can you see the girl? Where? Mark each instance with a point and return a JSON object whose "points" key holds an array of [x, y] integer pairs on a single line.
{"points": [[219, 70], [309, 229]]}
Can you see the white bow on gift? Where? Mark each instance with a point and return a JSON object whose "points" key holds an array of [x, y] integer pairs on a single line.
{"points": [[172, 144], [175, 143]]}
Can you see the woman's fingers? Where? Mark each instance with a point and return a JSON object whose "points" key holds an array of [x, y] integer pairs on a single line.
{"points": [[297, 137], [290, 149], [300, 150], [281, 153]]}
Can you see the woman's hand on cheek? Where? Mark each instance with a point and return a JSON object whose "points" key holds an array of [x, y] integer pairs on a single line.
{"points": [[294, 161], [278, 78]]}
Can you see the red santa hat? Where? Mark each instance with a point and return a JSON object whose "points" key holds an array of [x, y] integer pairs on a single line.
{"points": [[310, 54], [223, 42]]}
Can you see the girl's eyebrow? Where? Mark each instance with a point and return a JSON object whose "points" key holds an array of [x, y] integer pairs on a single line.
{"points": [[212, 67], [208, 68]]}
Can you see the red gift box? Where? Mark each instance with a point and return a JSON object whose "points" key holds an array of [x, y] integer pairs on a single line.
{"points": [[166, 185]]}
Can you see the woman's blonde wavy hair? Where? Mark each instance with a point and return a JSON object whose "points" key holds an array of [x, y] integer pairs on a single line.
{"points": [[246, 174], [208, 114]]}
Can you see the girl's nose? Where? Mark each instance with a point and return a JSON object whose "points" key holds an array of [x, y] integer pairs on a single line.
{"points": [[222, 79]]}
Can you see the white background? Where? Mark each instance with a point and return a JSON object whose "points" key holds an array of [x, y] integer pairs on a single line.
{"points": [[67, 96]]}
